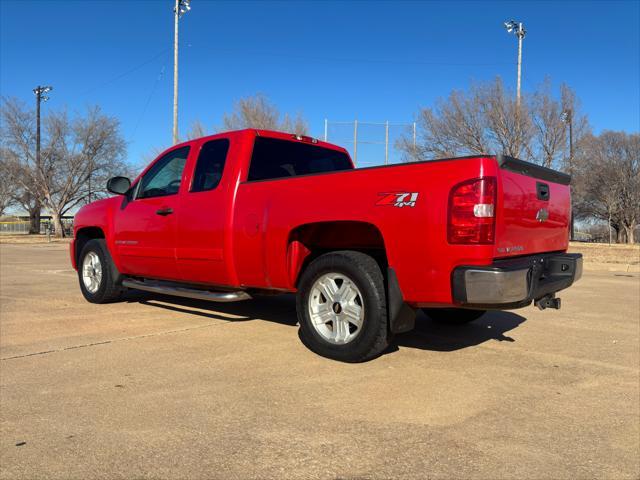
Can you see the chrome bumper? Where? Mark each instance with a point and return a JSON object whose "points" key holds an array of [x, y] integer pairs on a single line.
{"points": [[515, 283]]}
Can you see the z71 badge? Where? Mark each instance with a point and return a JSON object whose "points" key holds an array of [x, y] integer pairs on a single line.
{"points": [[399, 199]]}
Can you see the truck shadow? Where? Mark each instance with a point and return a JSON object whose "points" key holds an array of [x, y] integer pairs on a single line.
{"points": [[276, 308], [431, 335], [281, 309]]}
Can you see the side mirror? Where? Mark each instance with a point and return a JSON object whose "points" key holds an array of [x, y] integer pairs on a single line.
{"points": [[119, 185]]}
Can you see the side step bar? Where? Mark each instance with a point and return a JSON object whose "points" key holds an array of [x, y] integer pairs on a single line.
{"points": [[177, 291]]}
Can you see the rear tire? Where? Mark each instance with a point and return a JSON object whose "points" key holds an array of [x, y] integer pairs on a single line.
{"points": [[97, 273], [453, 316], [342, 307]]}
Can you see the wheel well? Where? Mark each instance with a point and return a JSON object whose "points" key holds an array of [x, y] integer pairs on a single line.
{"points": [[83, 236], [309, 241]]}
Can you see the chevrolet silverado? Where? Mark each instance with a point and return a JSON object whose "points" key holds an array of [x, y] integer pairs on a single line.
{"points": [[250, 212]]}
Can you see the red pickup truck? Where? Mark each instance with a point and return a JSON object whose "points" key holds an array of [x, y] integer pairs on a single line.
{"points": [[248, 212]]}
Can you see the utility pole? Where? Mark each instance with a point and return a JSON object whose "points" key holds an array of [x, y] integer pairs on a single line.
{"points": [[518, 29], [182, 6], [39, 92], [326, 128], [520, 37]]}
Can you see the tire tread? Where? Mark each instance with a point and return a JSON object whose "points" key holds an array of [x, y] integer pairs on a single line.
{"points": [[370, 270], [110, 290]]}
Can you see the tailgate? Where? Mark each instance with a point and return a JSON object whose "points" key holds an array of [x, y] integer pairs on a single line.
{"points": [[534, 205]]}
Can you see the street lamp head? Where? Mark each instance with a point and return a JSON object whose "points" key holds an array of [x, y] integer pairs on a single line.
{"points": [[38, 91], [510, 26], [515, 27], [183, 7]]}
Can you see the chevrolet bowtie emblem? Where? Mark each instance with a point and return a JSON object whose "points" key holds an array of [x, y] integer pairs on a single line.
{"points": [[542, 215]]}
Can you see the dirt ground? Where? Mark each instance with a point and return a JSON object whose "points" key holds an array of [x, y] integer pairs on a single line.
{"points": [[605, 256], [156, 387], [30, 239]]}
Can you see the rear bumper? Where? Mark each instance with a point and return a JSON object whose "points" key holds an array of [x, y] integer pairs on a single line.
{"points": [[515, 283]]}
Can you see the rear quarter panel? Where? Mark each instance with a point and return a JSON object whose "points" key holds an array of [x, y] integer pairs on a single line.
{"points": [[415, 237]]}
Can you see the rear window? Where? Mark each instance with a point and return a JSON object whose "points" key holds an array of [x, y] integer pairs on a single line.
{"points": [[273, 158], [210, 165]]}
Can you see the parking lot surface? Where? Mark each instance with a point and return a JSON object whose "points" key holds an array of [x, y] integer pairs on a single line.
{"points": [[156, 387]]}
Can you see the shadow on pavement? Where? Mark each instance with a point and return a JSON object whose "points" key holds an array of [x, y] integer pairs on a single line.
{"points": [[431, 335], [277, 308], [281, 309]]}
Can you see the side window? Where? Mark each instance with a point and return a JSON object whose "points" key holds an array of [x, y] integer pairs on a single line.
{"points": [[163, 178], [210, 165]]}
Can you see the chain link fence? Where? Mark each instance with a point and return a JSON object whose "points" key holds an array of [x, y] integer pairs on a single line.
{"points": [[370, 143], [21, 227]]}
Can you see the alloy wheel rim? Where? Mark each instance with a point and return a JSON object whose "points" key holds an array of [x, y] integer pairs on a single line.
{"points": [[91, 272], [336, 308]]}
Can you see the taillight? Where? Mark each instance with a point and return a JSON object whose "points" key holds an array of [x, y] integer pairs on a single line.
{"points": [[472, 212]]}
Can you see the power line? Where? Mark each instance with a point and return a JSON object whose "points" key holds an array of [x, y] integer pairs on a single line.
{"points": [[146, 105], [355, 59], [125, 73]]}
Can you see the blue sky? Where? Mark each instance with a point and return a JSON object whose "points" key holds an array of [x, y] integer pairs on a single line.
{"points": [[373, 61]]}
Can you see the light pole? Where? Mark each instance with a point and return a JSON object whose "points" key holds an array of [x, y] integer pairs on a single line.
{"points": [[39, 92], [518, 28], [567, 117], [181, 7]]}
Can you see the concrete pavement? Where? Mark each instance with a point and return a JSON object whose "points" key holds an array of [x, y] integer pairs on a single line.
{"points": [[157, 387]]}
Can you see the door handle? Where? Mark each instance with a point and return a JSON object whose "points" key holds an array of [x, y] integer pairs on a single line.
{"points": [[164, 211]]}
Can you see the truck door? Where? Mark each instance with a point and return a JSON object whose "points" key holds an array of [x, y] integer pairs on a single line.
{"points": [[203, 212], [145, 224]]}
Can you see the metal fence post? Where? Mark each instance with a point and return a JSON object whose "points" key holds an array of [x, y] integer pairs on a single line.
{"points": [[355, 142], [386, 143]]}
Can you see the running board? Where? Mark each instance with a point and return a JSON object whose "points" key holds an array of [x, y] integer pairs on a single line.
{"points": [[177, 291]]}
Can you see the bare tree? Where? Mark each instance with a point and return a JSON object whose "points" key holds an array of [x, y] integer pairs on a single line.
{"points": [[18, 141], [508, 125], [487, 120], [81, 155], [607, 181], [7, 197], [484, 120], [258, 112], [456, 126], [78, 155], [579, 123], [197, 130]]}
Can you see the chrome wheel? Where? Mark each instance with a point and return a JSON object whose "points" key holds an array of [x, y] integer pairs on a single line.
{"points": [[91, 272], [336, 308]]}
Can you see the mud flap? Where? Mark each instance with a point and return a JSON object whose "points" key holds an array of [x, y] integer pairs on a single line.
{"points": [[402, 317]]}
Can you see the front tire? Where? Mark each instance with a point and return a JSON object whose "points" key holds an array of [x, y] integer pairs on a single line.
{"points": [[453, 316], [97, 273], [342, 307]]}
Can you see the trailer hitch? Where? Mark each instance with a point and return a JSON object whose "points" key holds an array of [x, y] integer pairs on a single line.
{"points": [[548, 301]]}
